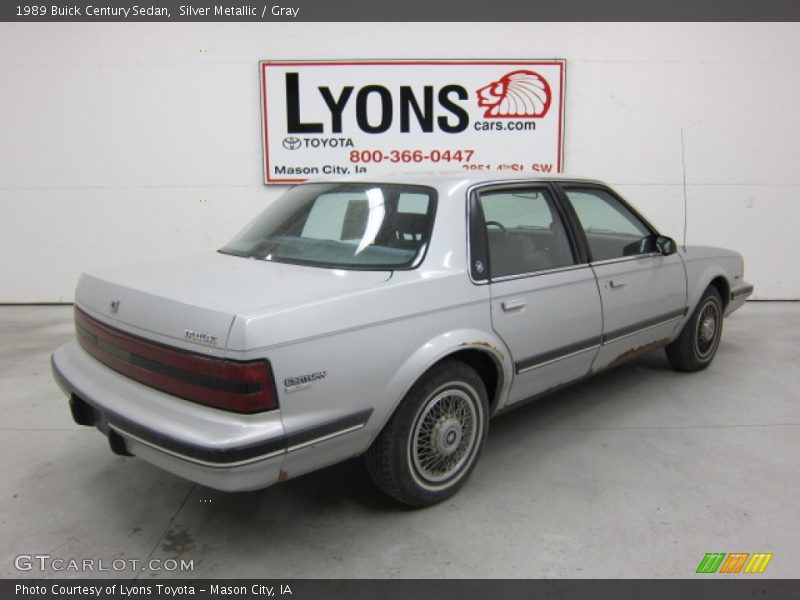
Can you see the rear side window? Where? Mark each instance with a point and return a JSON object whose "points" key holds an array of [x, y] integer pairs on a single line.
{"points": [[524, 232]]}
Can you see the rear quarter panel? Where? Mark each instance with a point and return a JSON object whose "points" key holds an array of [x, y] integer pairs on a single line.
{"points": [[368, 366], [372, 344]]}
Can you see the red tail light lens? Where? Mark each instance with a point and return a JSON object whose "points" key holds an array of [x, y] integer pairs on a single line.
{"points": [[244, 387]]}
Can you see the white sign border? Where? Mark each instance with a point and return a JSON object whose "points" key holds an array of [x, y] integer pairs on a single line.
{"points": [[263, 64]]}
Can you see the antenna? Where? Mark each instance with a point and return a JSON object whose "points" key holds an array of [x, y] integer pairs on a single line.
{"points": [[685, 202]]}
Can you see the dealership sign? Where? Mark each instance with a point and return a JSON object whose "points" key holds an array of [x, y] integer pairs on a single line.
{"points": [[366, 117]]}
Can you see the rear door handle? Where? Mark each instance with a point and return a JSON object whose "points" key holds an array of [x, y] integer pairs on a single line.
{"points": [[617, 283], [515, 304]]}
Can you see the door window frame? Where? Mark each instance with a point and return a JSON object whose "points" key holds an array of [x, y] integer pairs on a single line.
{"points": [[565, 186], [477, 237]]}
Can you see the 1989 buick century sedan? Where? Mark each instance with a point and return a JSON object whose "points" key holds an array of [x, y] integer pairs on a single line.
{"points": [[389, 317]]}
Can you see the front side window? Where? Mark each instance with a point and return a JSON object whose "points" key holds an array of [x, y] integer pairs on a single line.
{"points": [[612, 230], [355, 226], [524, 232]]}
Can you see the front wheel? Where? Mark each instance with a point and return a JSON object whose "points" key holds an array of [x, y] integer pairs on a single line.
{"points": [[695, 347], [432, 442]]}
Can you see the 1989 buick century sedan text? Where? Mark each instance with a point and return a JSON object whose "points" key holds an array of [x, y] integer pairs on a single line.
{"points": [[388, 317]]}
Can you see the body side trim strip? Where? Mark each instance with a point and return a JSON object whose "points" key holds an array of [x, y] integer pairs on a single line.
{"points": [[325, 438], [545, 358], [635, 328], [328, 430]]}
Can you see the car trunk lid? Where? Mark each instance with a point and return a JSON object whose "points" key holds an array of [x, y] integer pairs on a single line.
{"points": [[191, 302]]}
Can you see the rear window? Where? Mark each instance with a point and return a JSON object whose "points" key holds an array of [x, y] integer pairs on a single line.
{"points": [[348, 226]]}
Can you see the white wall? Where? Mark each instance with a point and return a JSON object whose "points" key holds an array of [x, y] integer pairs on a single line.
{"points": [[122, 142]]}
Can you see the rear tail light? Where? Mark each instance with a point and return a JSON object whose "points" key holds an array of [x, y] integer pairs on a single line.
{"points": [[244, 387]]}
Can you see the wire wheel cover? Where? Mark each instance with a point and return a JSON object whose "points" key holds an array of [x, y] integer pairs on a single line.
{"points": [[445, 435], [707, 327]]}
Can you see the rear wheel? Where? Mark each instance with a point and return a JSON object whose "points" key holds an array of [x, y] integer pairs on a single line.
{"points": [[695, 347], [431, 444]]}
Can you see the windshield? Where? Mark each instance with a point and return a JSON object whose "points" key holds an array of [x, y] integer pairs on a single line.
{"points": [[342, 225]]}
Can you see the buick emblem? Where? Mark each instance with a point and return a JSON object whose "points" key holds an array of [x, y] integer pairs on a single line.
{"points": [[200, 337], [114, 306], [291, 143]]}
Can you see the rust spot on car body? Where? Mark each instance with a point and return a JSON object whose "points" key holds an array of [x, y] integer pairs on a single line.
{"points": [[622, 358], [634, 352], [483, 344], [282, 476]]}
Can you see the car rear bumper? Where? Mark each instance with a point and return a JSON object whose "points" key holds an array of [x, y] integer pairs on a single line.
{"points": [[222, 450]]}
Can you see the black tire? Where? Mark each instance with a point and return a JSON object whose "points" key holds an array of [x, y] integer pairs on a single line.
{"points": [[430, 445], [695, 347]]}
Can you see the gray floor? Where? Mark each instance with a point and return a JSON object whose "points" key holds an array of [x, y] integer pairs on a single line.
{"points": [[636, 473]]}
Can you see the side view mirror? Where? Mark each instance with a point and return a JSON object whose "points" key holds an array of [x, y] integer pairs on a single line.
{"points": [[666, 245], [651, 243]]}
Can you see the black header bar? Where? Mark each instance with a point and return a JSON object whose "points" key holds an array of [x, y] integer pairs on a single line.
{"points": [[289, 11]]}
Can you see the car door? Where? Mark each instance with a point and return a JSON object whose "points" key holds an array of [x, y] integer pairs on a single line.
{"points": [[545, 303], [643, 291]]}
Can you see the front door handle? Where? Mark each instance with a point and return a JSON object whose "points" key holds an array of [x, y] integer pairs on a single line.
{"points": [[515, 304], [617, 283]]}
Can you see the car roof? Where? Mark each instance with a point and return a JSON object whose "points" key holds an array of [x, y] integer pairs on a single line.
{"points": [[452, 178]]}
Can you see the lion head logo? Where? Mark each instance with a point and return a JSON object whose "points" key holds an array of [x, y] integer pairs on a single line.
{"points": [[516, 94]]}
